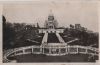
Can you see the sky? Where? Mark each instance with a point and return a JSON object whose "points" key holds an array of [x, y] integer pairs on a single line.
{"points": [[66, 13]]}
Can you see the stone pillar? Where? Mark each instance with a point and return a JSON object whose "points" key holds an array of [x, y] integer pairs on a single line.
{"points": [[32, 50], [14, 53], [77, 49], [23, 51], [49, 50], [42, 50], [59, 50], [66, 50], [86, 51]]}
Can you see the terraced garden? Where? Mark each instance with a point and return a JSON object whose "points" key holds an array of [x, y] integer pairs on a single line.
{"points": [[52, 38]]}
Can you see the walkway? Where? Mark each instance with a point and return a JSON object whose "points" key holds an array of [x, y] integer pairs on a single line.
{"points": [[45, 38], [72, 40], [60, 38]]}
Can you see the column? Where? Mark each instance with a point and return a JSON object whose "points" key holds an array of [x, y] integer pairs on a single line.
{"points": [[86, 51], [40, 49], [14, 53], [23, 51], [66, 50], [32, 50], [59, 50], [43, 49], [49, 50], [77, 49]]}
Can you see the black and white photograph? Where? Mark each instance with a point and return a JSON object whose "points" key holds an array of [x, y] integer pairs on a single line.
{"points": [[50, 32]]}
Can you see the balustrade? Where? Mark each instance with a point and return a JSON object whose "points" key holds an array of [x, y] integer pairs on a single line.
{"points": [[50, 51]]}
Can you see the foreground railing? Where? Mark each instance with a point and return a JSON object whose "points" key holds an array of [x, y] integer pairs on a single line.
{"points": [[50, 51]]}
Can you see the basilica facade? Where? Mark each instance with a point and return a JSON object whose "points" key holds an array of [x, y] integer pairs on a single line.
{"points": [[51, 25]]}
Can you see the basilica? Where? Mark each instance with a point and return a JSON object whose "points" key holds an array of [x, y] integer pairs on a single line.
{"points": [[51, 33]]}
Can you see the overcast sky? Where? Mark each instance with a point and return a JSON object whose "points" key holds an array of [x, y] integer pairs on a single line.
{"points": [[69, 12]]}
